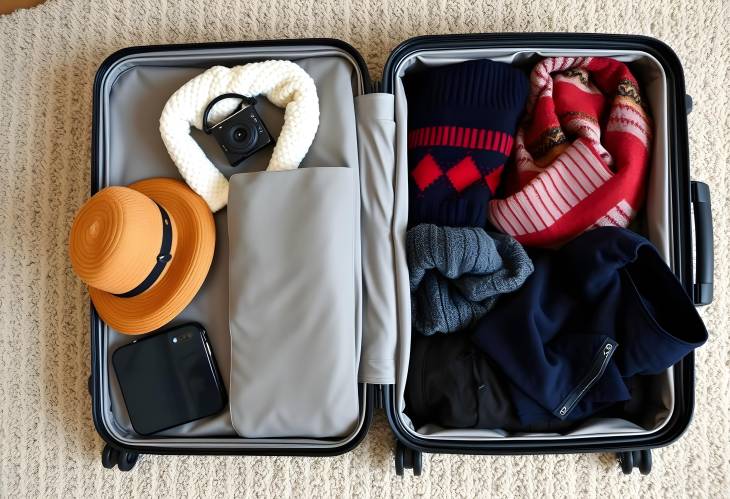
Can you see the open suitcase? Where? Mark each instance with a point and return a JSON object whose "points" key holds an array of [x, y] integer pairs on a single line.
{"points": [[363, 126]]}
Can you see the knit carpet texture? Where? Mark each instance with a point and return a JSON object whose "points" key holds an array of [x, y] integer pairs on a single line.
{"points": [[48, 57]]}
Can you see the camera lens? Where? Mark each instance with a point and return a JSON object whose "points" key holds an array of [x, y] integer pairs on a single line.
{"points": [[242, 137]]}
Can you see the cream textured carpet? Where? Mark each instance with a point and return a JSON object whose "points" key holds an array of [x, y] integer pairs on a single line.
{"points": [[48, 56]]}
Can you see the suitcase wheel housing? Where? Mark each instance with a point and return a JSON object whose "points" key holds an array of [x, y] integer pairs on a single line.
{"points": [[407, 458], [629, 460], [122, 459]]}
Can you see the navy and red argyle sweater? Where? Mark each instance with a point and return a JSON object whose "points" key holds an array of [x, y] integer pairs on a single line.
{"points": [[454, 172], [462, 120]]}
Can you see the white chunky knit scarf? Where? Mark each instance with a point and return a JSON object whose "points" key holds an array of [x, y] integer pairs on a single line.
{"points": [[285, 85]]}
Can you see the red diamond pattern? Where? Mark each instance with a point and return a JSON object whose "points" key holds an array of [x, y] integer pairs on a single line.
{"points": [[463, 174], [426, 172], [492, 178]]}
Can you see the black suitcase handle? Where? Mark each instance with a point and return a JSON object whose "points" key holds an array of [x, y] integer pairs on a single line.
{"points": [[705, 260]]}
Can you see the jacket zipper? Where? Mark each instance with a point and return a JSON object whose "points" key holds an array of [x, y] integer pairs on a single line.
{"points": [[598, 367]]}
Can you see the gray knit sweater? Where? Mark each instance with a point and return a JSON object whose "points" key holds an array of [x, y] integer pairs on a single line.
{"points": [[457, 273]]}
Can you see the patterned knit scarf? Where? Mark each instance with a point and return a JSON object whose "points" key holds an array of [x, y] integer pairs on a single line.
{"points": [[581, 152]]}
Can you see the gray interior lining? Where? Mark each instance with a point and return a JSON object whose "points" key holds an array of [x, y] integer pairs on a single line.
{"points": [[134, 92], [656, 224]]}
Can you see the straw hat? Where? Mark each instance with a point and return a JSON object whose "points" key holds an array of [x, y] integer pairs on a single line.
{"points": [[143, 250]]}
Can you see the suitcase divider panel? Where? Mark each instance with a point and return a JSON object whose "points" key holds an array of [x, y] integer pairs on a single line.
{"points": [[376, 145]]}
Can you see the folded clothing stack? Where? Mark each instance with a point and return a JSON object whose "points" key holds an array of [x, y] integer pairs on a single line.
{"points": [[461, 122], [602, 309], [538, 350]]}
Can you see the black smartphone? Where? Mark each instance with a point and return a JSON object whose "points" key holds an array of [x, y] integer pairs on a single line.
{"points": [[169, 378]]}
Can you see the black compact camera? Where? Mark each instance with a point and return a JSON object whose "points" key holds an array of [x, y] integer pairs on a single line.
{"points": [[242, 133]]}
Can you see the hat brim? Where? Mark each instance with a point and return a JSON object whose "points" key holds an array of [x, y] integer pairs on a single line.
{"points": [[186, 272]]}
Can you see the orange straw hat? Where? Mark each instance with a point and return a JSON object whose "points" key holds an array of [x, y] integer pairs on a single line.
{"points": [[143, 250]]}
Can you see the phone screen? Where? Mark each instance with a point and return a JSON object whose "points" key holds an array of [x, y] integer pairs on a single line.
{"points": [[168, 379]]}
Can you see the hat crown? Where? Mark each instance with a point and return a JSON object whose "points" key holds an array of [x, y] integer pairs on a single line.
{"points": [[115, 239]]}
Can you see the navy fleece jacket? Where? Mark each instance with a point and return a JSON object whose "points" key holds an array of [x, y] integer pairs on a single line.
{"points": [[601, 309]]}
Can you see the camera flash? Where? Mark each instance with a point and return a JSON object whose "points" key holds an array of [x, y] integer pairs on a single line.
{"points": [[174, 340]]}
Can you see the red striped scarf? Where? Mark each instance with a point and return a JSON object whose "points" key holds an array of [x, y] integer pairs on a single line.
{"points": [[581, 153]]}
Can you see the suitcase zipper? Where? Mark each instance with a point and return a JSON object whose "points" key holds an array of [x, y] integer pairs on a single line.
{"points": [[598, 367]]}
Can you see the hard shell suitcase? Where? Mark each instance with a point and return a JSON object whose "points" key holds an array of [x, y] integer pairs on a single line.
{"points": [[131, 87]]}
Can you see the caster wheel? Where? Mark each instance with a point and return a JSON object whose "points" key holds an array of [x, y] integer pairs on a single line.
{"points": [[400, 452], [407, 459], [109, 457], [417, 463], [636, 456], [645, 463], [626, 461], [127, 460]]}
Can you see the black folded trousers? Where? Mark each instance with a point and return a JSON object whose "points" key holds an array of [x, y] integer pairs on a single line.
{"points": [[452, 384]]}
